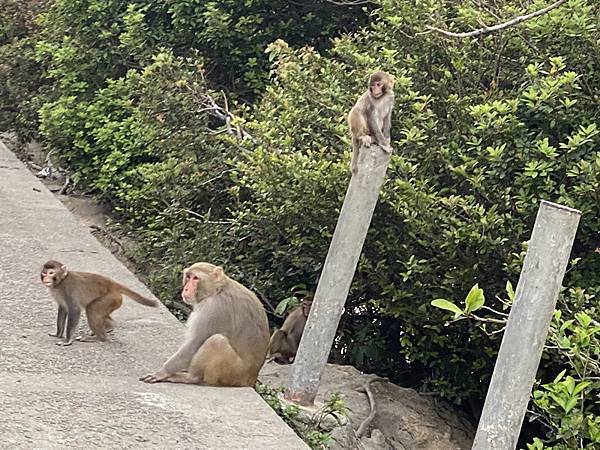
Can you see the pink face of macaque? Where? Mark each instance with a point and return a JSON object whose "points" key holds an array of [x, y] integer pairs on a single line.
{"points": [[376, 89], [48, 277], [190, 286], [53, 273], [201, 281]]}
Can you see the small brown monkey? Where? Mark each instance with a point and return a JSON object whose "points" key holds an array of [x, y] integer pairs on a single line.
{"points": [[370, 119], [285, 341], [227, 332], [99, 295]]}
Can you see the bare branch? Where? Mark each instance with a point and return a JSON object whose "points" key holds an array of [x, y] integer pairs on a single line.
{"points": [[64, 187], [349, 2], [367, 388], [488, 319], [209, 105], [494, 311], [501, 26]]}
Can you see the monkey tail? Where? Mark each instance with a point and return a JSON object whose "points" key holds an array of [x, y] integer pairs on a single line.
{"points": [[137, 297]]}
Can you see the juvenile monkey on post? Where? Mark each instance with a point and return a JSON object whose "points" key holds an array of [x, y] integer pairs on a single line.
{"points": [[285, 341], [370, 119], [227, 332], [73, 291]]}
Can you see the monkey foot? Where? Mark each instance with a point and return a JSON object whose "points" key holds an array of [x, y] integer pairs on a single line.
{"points": [[64, 344], [108, 330], [153, 378], [89, 338]]}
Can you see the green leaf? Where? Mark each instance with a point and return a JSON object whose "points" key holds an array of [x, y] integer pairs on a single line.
{"points": [[510, 291], [475, 299], [571, 403], [581, 386], [566, 325], [570, 384], [583, 319], [448, 306], [559, 376], [284, 305]]}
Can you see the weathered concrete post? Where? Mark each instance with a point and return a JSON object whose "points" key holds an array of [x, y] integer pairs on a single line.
{"points": [[521, 349], [336, 277]]}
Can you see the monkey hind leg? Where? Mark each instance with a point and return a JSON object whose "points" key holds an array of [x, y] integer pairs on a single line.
{"points": [[98, 316], [216, 363], [184, 377], [109, 324], [109, 327]]}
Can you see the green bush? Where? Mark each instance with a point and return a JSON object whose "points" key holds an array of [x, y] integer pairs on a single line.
{"points": [[86, 42], [20, 74]]}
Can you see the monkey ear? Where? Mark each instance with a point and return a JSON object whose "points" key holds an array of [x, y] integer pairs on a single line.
{"points": [[218, 273], [64, 269]]}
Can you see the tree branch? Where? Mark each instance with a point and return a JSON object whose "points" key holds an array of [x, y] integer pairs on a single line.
{"points": [[365, 423], [349, 2], [501, 26]]}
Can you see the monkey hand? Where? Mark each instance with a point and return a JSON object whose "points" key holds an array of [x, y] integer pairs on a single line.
{"points": [[366, 141], [387, 148], [154, 377]]}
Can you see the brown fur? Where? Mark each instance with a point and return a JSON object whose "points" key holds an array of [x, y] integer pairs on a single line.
{"points": [[285, 341], [370, 118], [227, 332], [73, 291]]}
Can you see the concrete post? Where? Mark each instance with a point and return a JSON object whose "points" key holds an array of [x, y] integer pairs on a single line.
{"points": [[336, 277], [521, 349]]}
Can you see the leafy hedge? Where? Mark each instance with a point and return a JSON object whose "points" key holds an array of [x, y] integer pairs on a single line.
{"points": [[483, 129]]}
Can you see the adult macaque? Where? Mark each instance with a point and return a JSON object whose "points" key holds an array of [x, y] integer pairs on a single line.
{"points": [[285, 341], [370, 119], [227, 332], [73, 291]]}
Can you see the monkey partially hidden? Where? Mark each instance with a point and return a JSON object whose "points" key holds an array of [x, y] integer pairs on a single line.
{"points": [[370, 119], [285, 341], [227, 332], [73, 291]]}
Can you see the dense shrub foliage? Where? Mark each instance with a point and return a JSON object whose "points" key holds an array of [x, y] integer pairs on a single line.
{"points": [[20, 74], [216, 135]]}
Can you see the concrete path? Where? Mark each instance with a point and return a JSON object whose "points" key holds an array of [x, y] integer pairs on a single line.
{"points": [[88, 395]]}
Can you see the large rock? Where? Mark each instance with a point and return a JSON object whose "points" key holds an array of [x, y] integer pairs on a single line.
{"points": [[404, 419]]}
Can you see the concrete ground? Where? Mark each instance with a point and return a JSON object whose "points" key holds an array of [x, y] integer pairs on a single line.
{"points": [[88, 395]]}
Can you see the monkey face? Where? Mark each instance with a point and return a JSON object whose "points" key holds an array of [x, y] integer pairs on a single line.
{"points": [[200, 281], [306, 304], [377, 89], [53, 273], [380, 83], [48, 277], [190, 287]]}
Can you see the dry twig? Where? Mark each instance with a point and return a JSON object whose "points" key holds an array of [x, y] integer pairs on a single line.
{"points": [[501, 26], [365, 424], [65, 186]]}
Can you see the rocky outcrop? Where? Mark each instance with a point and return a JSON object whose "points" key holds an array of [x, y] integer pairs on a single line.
{"points": [[403, 419]]}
